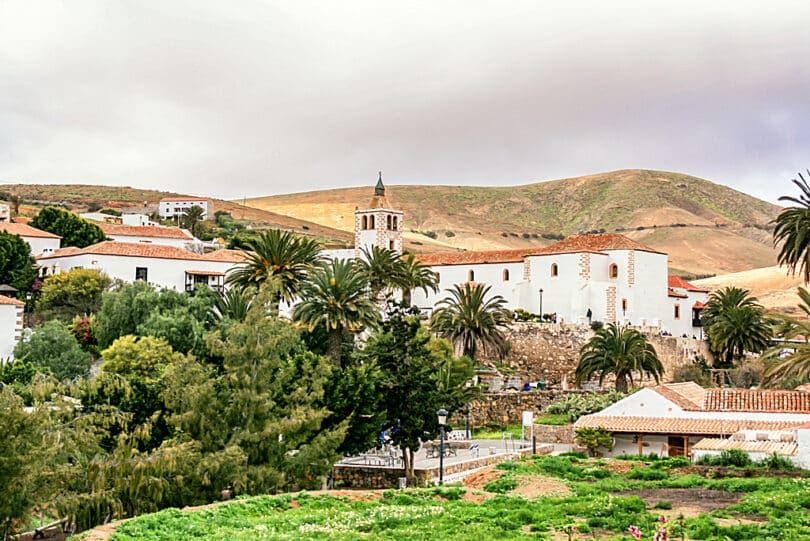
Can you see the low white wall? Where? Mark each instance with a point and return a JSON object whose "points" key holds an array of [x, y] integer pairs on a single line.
{"points": [[9, 332]]}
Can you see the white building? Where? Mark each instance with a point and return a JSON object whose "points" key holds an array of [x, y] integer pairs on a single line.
{"points": [[378, 225], [160, 265], [11, 325], [5, 213], [670, 419], [155, 234], [41, 242], [176, 207]]}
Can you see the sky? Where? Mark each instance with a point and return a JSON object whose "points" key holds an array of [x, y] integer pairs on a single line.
{"points": [[254, 98]]}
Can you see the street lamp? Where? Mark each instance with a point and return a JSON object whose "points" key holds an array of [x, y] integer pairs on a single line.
{"points": [[442, 414], [27, 311], [541, 303]]}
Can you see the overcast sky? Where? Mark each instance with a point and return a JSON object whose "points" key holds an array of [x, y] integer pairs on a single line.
{"points": [[256, 98]]}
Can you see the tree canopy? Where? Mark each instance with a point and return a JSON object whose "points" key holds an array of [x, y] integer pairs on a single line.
{"points": [[53, 348], [74, 230], [74, 293], [16, 263]]}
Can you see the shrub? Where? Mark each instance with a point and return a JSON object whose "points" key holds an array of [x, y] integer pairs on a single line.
{"points": [[594, 438], [501, 485], [575, 406], [731, 457], [777, 462], [526, 236], [663, 504], [449, 234], [596, 325], [647, 474]]}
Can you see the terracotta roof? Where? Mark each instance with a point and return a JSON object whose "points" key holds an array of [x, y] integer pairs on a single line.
{"points": [[181, 199], [680, 283], [474, 258], [688, 395], [25, 230], [225, 256], [9, 300], [676, 294], [757, 400], [145, 231], [699, 305], [130, 249], [678, 425], [752, 446], [597, 243], [204, 273]]}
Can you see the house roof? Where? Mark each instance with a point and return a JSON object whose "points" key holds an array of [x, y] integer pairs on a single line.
{"points": [[691, 396], [25, 230], [204, 273], [182, 199], [145, 231], [752, 446], [678, 425], [130, 249], [225, 256], [676, 294], [699, 305], [680, 283], [474, 258], [9, 300], [597, 243]]}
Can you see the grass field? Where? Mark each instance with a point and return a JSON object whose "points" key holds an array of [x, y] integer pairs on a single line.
{"points": [[604, 499]]}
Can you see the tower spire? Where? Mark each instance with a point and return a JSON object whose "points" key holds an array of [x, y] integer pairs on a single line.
{"points": [[379, 189]]}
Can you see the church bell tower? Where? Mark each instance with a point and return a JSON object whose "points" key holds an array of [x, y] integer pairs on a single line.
{"points": [[379, 224]]}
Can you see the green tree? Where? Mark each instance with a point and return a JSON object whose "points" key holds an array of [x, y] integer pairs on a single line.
{"points": [[471, 321], [281, 254], [415, 275], [594, 438], [621, 351], [191, 217], [16, 264], [735, 323], [74, 230], [54, 348], [381, 270], [335, 296], [73, 293], [792, 231], [234, 303], [123, 308], [15, 201]]}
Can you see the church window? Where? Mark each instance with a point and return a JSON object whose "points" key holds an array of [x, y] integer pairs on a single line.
{"points": [[470, 275], [438, 277], [371, 222], [388, 222], [677, 313], [505, 275], [365, 223], [624, 305], [391, 245], [614, 271], [395, 223], [554, 271]]}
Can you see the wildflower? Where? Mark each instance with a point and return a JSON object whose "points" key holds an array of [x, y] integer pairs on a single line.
{"points": [[634, 531]]}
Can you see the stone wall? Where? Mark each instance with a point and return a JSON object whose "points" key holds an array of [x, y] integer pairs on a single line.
{"points": [[550, 352], [508, 407], [554, 434]]}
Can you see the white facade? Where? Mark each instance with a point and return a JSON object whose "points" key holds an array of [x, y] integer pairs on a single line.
{"points": [[11, 325], [803, 439], [5, 213], [174, 207], [40, 242]]}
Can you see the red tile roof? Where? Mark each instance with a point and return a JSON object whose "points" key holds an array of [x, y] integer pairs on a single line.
{"points": [[757, 400], [181, 199], [204, 273], [679, 425], [225, 256], [677, 294], [25, 230], [129, 249], [680, 283], [597, 243], [699, 305], [688, 395], [145, 231], [9, 300], [474, 258], [751, 446]]}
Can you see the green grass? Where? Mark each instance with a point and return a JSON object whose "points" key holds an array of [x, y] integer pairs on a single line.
{"points": [[496, 432], [556, 419], [442, 514]]}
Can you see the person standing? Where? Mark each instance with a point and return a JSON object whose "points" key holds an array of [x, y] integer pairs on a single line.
{"points": [[589, 315]]}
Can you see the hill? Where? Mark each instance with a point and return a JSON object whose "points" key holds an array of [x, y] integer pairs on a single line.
{"points": [[706, 228], [773, 286]]}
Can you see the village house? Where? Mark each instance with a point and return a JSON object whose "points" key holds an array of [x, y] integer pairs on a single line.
{"points": [[154, 234], [41, 242], [176, 207], [5, 213], [11, 325], [672, 419]]}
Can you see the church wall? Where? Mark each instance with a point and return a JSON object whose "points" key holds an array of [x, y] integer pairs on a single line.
{"points": [[561, 293], [490, 274]]}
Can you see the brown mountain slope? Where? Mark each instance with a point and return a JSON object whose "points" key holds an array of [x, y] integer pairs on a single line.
{"points": [[773, 286], [706, 228]]}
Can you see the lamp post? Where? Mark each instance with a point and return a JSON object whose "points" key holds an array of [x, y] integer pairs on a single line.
{"points": [[541, 303], [27, 311], [442, 414]]}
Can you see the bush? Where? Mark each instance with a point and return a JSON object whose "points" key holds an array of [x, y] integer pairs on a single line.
{"points": [[647, 474], [575, 406], [777, 462], [730, 458], [596, 325], [501, 485], [663, 504], [594, 438], [449, 234], [52, 347]]}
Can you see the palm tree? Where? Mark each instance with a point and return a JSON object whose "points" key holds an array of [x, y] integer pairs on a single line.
{"points": [[414, 275], [469, 320], [780, 368], [793, 231], [192, 216], [734, 322], [234, 303], [620, 351], [380, 268], [277, 253], [335, 296]]}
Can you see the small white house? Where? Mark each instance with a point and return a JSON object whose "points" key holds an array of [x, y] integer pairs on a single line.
{"points": [[11, 325], [5, 213], [670, 419], [41, 242], [175, 207]]}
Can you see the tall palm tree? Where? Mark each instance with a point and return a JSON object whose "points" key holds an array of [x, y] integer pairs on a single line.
{"points": [[780, 367], [469, 320], [381, 270], [412, 274], [234, 303], [735, 323], [621, 351], [191, 217], [793, 231], [335, 296], [277, 253]]}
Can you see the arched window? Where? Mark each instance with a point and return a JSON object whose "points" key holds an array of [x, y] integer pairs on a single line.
{"points": [[554, 270], [365, 222], [505, 275], [470, 275], [395, 223], [371, 222], [614, 270], [624, 305], [388, 222]]}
